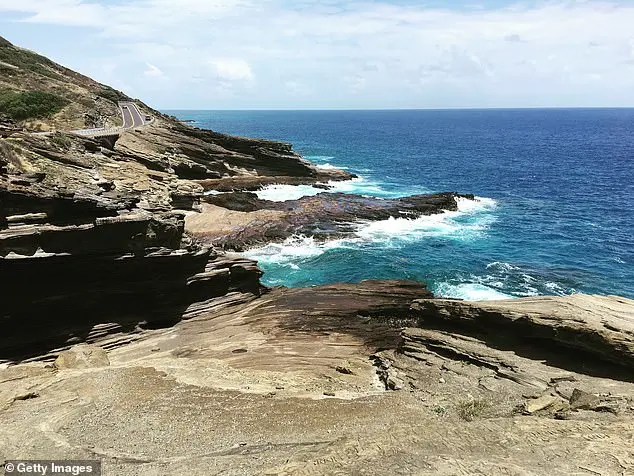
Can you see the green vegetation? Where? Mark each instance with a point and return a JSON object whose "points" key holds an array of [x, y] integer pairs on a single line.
{"points": [[62, 141], [472, 409], [111, 94], [28, 61], [4, 43], [7, 70], [30, 104]]}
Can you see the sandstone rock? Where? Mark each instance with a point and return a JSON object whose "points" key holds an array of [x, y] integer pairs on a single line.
{"points": [[540, 403], [598, 326], [581, 400], [82, 357]]}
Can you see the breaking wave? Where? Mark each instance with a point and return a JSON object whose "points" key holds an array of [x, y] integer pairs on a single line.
{"points": [[359, 185], [470, 221]]}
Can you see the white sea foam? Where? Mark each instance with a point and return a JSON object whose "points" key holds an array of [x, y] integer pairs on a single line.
{"points": [[469, 291], [294, 248], [318, 157], [479, 204], [329, 166], [501, 266], [358, 185], [509, 276], [445, 224], [281, 193]]}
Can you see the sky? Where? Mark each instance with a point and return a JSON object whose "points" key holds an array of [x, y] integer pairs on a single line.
{"points": [[333, 54]]}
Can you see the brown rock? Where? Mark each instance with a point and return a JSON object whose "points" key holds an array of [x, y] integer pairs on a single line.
{"points": [[82, 357], [581, 400], [600, 326], [540, 403]]}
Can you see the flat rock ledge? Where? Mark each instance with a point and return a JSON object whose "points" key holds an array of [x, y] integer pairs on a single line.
{"points": [[368, 378], [595, 327]]}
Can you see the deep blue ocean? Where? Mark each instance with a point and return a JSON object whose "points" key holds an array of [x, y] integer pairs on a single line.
{"points": [[555, 214]]}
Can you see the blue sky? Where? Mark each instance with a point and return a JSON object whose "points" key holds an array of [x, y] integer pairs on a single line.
{"points": [[305, 54]]}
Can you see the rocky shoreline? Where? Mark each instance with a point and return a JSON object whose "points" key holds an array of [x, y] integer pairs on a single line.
{"points": [[131, 333], [324, 216], [129, 330]]}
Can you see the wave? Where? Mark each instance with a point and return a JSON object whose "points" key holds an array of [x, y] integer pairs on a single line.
{"points": [[467, 223], [318, 157], [466, 205], [329, 166], [294, 248], [468, 291], [359, 185], [281, 193], [524, 282], [447, 224]]}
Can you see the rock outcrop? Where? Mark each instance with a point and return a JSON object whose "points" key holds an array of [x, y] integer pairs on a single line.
{"points": [[323, 380], [578, 326], [92, 241], [240, 219], [113, 277], [7, 126]]}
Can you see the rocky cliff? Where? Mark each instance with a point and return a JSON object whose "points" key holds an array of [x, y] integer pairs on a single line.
{"points": [[92, 240]]}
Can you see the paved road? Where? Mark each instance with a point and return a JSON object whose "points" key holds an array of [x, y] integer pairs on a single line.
{"points": [[132, 118]]}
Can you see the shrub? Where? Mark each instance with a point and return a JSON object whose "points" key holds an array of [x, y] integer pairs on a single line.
{"points": [[30, 104], [472, 409], [61, 140], [111, 94], [27, 61]]}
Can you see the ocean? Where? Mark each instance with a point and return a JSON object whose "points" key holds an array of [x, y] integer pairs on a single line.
{"points": [[555, 191]]}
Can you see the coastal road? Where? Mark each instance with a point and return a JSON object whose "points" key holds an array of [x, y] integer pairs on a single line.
{"points": [[132, 118]]}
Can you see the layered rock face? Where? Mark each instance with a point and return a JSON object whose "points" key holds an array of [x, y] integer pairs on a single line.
{"points": [[92, 242], [367, 378], [108, 277]]}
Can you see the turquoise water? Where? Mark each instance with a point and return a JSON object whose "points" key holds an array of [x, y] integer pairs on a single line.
{"points": [[555, 213]]}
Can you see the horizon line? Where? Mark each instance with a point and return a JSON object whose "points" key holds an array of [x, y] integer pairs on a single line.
{"points": [[522, 108]]}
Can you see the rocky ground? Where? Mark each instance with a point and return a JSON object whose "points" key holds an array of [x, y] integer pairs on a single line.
{"points": [[342, 379], [130, 335]]}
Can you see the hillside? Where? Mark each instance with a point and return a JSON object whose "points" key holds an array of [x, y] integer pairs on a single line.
{"points": [[74, 101]]}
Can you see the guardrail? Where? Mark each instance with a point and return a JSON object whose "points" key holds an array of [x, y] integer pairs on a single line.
{"points": [[115, 131]]}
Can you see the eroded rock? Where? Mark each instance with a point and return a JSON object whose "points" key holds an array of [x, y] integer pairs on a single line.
{"points": [[240, 219], [82, 357], [580, 400]]}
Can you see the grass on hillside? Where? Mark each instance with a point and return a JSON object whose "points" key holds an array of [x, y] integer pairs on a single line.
{"points": [[111, 94], [27, 61], [30, 104]]}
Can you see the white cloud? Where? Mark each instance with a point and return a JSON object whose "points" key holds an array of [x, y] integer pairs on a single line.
{"points": [[374, 54], [152, 71], [232, 69]]}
